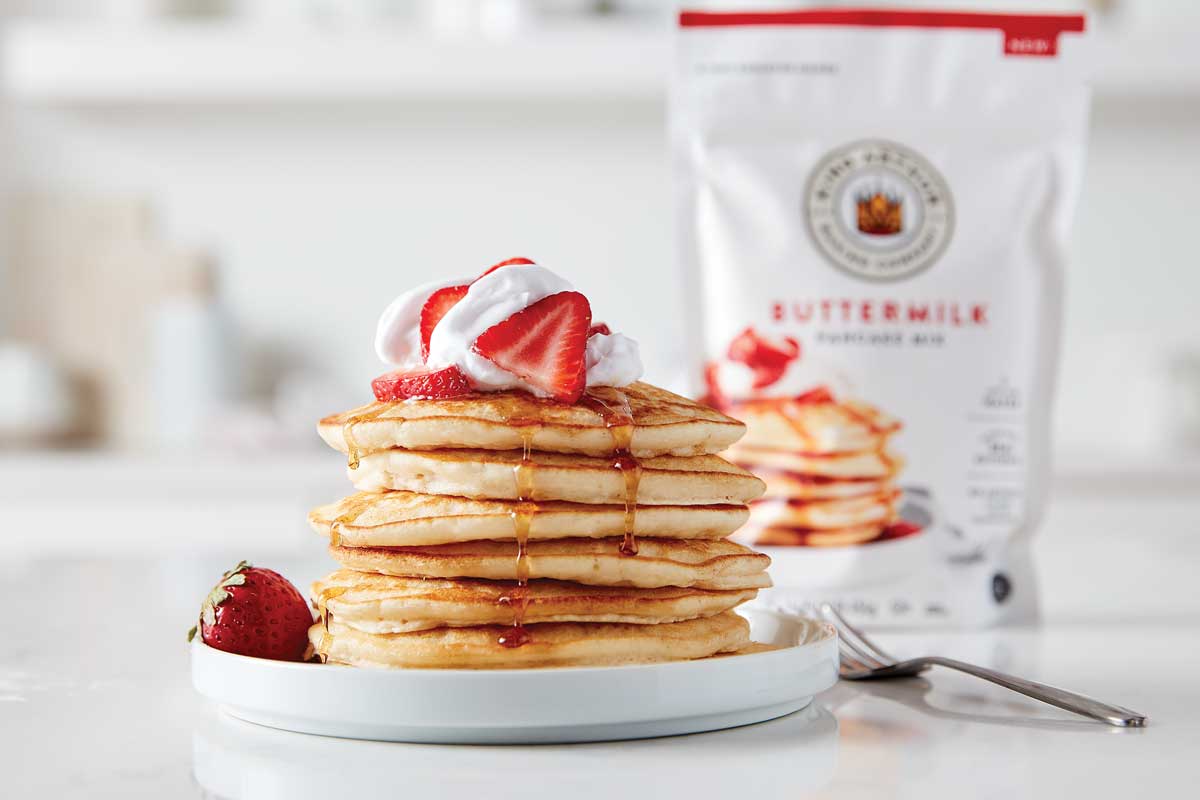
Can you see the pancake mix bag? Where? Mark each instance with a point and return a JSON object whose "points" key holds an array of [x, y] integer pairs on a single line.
{"points": [[873, 210]]}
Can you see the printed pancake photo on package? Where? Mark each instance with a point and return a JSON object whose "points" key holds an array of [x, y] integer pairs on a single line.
{"points": [[872, 209]]}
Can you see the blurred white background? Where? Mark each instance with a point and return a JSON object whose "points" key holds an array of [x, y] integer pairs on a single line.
{"points": [[208, 204]]}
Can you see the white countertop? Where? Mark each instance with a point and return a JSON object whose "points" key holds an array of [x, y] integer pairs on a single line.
{"points": [[95, 698]]}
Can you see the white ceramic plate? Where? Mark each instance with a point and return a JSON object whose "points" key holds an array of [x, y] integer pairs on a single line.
{"points": [[857, 565], [526, 706]]}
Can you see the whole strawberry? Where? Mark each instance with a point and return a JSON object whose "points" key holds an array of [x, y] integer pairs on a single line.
{"points": [[255, 612]]}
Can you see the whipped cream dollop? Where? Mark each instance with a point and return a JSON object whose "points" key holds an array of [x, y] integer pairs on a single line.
{"points": [[612, 359]]}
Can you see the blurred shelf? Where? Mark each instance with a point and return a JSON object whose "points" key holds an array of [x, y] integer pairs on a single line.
{"points": [[100, 476], [1166, 64], [55, 63], [93, 503], [216, 63]]}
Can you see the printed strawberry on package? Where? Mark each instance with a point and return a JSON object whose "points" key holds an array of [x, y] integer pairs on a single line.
{"points": [[873, 211]]}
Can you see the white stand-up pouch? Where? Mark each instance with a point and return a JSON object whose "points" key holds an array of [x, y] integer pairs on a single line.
{"points": [[873, 210]]}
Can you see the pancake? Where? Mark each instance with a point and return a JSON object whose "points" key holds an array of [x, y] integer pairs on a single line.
{"points": [[782, 536], [825, 514], [701, 563], [391, 519], [665, 480], [664, 424], [781, 483], [866, 464], [846, 426], [375, 603], [551, 644]]}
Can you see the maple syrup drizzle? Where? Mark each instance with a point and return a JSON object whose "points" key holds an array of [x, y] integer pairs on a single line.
{"points": [[868, 421], [323, 599], [353, 451], [618, 418], [522, 516], [326, 637], [354, 507], [873, 425], [322, 607]]}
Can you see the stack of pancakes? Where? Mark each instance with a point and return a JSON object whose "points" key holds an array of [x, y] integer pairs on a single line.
{"points": [[500, 530], [830, 475]]}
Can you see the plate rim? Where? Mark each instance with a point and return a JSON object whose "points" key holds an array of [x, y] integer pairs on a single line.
{"points": [[407, 705], [826, 632]]}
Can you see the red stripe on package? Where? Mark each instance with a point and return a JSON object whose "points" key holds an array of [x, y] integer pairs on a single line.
{"points": [[1024, 34]]}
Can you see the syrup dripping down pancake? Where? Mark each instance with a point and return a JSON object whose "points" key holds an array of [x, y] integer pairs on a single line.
{"points": [[875, 465], [663, 424], [845, 426], [825, 514], [550, 644], [375, 603], [406, 519], [664, 480], [702, 563], [841, 537], [784, 536], [793, 486]]}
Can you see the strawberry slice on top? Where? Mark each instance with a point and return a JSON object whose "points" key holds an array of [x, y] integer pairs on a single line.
{"points": [[434, 309], [544, 344], [427, 384], [446, 298], [599, 327]]}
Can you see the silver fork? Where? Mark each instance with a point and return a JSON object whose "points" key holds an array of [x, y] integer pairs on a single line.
{"points": [[862, 660]]}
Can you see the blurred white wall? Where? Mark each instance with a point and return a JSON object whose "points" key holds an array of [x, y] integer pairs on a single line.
{"points": [[319, 215], [1135, 276], [319, 212]]}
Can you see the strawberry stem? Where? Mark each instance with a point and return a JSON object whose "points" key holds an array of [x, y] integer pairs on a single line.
{"points": [[219, 594]]}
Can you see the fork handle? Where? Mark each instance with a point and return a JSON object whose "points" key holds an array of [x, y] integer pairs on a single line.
{"points": [[1113, 715]]}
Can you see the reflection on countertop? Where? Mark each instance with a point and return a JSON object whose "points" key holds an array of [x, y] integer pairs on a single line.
{"points": [[237, 760], [95, 699]]}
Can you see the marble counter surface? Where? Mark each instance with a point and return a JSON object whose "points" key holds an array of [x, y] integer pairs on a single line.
{"points": [[95, 699]]}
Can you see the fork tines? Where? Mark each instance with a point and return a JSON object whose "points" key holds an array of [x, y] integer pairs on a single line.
{"points": [[859, 654]]}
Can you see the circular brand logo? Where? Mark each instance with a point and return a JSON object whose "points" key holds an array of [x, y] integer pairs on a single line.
{"points": [[878, 210]]}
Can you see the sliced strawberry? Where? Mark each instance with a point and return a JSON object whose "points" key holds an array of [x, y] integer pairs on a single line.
{"points": [[506, 263], [434, 309], [544, 344], [715, 397], [816, 396], [768, 359], [430, 384], [767, 375], [599, 327], [753, 349], [445, 299]]}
